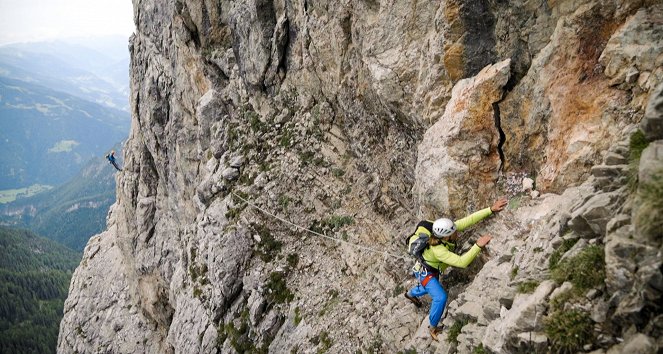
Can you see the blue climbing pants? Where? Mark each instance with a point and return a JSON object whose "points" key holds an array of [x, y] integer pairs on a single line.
{"points": [[437, 293]]}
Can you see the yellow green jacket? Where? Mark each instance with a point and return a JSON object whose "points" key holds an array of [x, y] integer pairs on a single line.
{"points": [[441, 256]]}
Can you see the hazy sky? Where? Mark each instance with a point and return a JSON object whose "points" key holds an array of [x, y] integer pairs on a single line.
{"points": [[30, 20]]}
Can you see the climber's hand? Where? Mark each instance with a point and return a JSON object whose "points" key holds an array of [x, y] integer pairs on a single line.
{"points": [[483, 240], [499, 205]]}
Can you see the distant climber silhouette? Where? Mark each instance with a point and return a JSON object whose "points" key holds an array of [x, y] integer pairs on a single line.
{"points": [[111, 158]]}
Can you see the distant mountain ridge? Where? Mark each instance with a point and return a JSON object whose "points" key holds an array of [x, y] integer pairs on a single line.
{"points": [[96, 70]]}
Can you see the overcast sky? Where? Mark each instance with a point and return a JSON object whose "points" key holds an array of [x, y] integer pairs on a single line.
{"points": [[32, 20]]}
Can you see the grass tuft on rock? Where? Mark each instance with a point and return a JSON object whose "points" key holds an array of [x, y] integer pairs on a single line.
{"points": [[558, 253], [527, 287], [649, 213], [278, 291], [569, 331], [455, 329], [585, 271], [479, 349], [637, 144], [268, 247]]}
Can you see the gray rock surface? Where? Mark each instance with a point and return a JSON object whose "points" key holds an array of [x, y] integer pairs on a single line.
{"points": [[255, 122], [652, 123]]}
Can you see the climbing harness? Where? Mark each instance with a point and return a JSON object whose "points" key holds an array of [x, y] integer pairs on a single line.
{"points": [[422, 271], [428, 277]]}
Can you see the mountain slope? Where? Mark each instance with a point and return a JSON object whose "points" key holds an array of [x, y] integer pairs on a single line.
{"points": [[34, 279], [69, 214], [76, 69], [46, 136], [260, 126]]}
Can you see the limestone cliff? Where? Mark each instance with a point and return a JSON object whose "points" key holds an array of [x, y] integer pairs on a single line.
{"points": [[259, 125]]}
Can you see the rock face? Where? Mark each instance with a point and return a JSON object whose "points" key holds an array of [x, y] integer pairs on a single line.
{"points": [[262, 127], [462, 144]]}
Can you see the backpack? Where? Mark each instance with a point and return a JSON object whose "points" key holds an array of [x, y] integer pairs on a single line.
{"points": [[419, 245]]}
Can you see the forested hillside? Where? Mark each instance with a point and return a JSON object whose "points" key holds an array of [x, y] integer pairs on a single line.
{"points": [[34, 281]]}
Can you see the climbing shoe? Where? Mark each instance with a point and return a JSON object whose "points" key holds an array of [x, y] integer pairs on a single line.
{"points": [[413, 299], [435, 331]]}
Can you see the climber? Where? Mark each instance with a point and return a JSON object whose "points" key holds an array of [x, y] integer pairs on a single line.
{"points": [[111, 158], [438, 255]]}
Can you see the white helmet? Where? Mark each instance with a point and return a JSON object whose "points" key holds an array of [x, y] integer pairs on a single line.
{"points": [[443, 227]]}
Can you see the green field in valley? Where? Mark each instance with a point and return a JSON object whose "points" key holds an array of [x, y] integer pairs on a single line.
{"points": [[10, 195]]}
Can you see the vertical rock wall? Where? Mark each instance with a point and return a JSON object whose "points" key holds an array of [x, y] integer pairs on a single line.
{"points": [[255, 122]]}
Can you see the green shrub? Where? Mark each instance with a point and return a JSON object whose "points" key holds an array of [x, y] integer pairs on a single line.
{"points": [[232, 135], [284, 200], [278, 291], [637, 145], [479, 349], [558, 302], [254, 121], [336, 222], [333, 301], [319, 161], [221, 335], [338, 172], [585, 271], [197, 292], [268, 247], [332, 223], [376, 345], [398, 290], [568, 331], [306, 157], [558, 253], [239, 339], [455, 329], [325, 342], [287, 137], [298, 316], [233, 213], [528, 287], [649, 213], [292, 260], [264, 167], [514, 272]]}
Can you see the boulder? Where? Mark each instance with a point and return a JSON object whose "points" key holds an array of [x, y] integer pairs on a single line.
{"points": [[620, 247], [612, 159], [651, 162], [230, 173], [652, 123], [647, 220], [635, 50], [528, 184], [256, 304], [591, 219], [457, 162], [637, 344], [525, 315]]}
